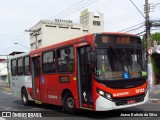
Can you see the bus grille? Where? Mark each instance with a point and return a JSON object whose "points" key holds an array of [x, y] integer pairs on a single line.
{"points": [[124, 101], [125, 84]]}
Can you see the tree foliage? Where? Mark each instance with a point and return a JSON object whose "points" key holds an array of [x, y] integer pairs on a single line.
{"points": [[154, 37]]}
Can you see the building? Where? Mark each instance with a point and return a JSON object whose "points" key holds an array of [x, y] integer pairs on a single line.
{"points": [[93, 21], [47, 32], [3, 72]]}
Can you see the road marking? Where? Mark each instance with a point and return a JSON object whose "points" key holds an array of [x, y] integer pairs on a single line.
{"points": [[2, 118], [154, 100], [156, 92], [7, 108], [9, 93]]}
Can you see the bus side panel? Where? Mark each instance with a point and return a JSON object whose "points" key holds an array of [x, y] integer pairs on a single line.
{"points": [[72, 86], [49, 88], [28, 86], [17, 82], [53, 88]]}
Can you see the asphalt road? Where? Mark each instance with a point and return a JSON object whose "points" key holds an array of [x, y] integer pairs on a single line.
{"points": [[8, 102]]}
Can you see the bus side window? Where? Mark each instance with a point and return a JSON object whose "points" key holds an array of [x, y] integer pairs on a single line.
{"points": [[65, 60], [48, 62], [26, 66], [19, 66], [14, 67]]}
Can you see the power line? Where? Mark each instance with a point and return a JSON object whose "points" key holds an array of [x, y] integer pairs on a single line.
{"points": [[72, 9], [67, 9], [139, 34], [137, 9], [19, 38], [131, 27], [135, 28], [79, 8], [121, 18]]}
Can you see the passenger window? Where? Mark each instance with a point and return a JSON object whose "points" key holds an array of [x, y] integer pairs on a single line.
{"points": [[20, 66], [48, 62], [26, 66], [13, 67], [65, 60]]}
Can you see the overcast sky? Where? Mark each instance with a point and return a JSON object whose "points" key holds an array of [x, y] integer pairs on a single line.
{"points": [[18, 15]]}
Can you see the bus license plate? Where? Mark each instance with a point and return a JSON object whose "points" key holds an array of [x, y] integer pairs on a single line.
{"points": [[131, 101]]}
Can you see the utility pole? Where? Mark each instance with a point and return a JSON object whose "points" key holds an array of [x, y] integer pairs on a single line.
{"points": [[148, 38], [35, 33]]}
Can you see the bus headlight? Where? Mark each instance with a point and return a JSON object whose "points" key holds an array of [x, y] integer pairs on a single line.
{"points": [[101, 93], [104, 94], [108, 96]]}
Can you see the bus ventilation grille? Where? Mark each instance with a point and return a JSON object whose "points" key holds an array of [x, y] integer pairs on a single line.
{"points": [[123, 101]]}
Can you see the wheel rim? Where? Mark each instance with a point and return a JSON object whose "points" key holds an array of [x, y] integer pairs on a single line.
{"points": [[24, 98], [70, 103]]}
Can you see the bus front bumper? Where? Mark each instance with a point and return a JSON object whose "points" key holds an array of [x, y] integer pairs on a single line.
{"points": [[103, 104]]}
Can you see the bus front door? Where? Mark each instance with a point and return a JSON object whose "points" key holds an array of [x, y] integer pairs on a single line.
{"points": [[84, 77], [36, 77]]}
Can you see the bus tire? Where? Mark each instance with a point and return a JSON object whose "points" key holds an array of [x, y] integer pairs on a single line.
{"points": [[24, 97], [69, 103]]}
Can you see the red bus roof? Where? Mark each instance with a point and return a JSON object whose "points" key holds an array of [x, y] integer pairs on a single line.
{"points": [[76, 40]]}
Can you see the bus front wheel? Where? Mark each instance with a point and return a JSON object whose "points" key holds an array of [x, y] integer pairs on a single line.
{"points": [[24, 97], [69, 103]]}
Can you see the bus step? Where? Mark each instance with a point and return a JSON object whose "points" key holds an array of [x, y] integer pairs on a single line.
{"points": [[38, 102]]}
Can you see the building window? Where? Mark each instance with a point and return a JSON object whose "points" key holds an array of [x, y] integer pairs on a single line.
{"points": [[13, 67], [48, 64], [39, 31], [3, 78], [31, 36], [39, 42], [96, 16], [26, 66], [20, 66], [96, 23], [65, 60], [32, 46]]}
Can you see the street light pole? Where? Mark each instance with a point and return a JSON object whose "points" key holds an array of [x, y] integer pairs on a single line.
{"points": [[22, 45]]}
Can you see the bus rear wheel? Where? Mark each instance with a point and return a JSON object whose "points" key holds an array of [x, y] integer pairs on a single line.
{"points": [[24, 97], [69, 103]]}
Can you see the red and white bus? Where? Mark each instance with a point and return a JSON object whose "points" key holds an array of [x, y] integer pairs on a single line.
{"points": [[99, 72]]}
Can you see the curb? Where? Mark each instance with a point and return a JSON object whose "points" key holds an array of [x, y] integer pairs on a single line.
{"points": [[7, 88], [154, 100]]}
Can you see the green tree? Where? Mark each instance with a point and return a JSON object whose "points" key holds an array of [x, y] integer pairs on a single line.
{"points": [[154, 37]]}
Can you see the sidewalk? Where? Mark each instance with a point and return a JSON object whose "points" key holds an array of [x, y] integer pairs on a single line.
{"points": [[155, 89], [154, 96]]}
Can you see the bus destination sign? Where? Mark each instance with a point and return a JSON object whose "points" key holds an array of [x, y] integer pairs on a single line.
{"points": [[104, 39]]}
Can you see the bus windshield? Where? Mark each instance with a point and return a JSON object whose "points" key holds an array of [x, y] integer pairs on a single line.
{"points": [[119, 63]]}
